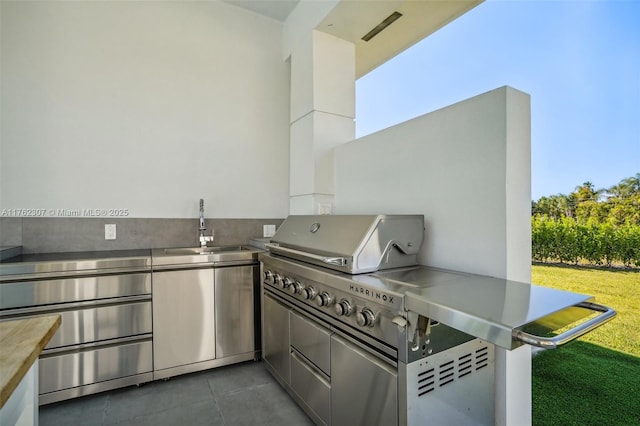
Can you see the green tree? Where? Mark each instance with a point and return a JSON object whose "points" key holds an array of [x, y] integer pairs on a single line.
{"points": [[627, 188], [587, 192], [596, 226]]}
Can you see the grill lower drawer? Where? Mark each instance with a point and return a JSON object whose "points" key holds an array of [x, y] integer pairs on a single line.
{"points": [[311, 340], [311, 387], [92, 365]]}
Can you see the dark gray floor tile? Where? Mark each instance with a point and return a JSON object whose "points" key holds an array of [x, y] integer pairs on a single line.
{"points": [[157, 396], [264, 405], [85, 411], [238, 376], [242, 394], [204, 413]]}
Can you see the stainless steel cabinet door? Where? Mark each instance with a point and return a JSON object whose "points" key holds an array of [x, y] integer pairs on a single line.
{"points": [[234, 293], [275, 336], [183, 315], [363, 389]]}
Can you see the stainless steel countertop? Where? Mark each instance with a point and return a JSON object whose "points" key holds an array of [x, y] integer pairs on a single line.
{"points": [[42, 265], [485, 307]]}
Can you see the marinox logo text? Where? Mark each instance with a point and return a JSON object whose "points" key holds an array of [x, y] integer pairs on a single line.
{"points": [[371, 293]]}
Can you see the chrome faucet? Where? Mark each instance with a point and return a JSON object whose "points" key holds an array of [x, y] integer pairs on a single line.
{"points": [[204, 239]]}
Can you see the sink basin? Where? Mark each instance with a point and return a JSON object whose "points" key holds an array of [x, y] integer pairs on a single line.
{"points": [[164, 257], [189, 251]]}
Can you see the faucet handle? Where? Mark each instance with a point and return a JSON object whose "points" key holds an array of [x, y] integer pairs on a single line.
{"points": [[204, 239]]}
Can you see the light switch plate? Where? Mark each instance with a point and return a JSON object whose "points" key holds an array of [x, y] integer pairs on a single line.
{"points": [[110, 231], [268, 230]]}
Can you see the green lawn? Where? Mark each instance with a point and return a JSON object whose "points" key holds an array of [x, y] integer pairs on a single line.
{"points": [[618, 289], [594, 380]]}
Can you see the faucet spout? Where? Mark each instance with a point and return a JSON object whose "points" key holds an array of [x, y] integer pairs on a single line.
{"points": [[204, 239], [202, 227]]}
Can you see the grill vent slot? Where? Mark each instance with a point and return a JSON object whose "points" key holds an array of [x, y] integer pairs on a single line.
{"points": [[464, 365], [482, 357], [450, 371], [446, 373], [426, 382]]}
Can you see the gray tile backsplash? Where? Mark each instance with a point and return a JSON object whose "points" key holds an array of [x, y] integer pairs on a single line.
{"points": [[10, 231], [47, 235]]}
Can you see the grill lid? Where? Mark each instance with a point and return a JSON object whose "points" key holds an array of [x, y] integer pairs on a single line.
{"points": [[351, 243]]}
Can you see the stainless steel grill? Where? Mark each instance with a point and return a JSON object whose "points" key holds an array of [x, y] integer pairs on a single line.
{"points": [[366, 243], [358, 333]]}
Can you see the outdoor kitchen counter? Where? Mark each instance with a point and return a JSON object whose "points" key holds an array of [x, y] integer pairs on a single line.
{"points": [[21, 342], [42, 265]]}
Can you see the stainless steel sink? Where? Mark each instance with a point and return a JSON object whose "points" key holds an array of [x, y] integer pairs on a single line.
{"points": [[204, 255], [204, 250]]}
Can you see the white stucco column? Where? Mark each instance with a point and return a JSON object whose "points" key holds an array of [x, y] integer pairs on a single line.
{"points": [[322, 114], [513, 368]]}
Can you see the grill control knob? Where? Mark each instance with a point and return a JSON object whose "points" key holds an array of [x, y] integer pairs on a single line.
{"points": [[309, 293], [324, 299], [343, 308], [366, 318], [276, 279], [286, 282], [268, 277], [295, 288]]}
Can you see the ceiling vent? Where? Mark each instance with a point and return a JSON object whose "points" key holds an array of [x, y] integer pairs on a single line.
{"points": [[381, 26]]}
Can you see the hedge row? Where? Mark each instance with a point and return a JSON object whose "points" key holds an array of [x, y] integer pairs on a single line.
{"points": [[567, 241]]}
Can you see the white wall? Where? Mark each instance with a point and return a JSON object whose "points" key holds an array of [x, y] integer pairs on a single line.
{"points": [[466, 167], [147, 106]]}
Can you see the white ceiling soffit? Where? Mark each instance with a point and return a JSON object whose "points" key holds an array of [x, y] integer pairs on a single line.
{"points": [[276, 9], [352, 19]]}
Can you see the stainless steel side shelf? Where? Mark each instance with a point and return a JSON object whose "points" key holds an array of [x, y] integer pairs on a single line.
{"points": [[504, 312]]}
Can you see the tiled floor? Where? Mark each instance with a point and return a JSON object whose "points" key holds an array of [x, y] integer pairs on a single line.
{"points": [[241, 394]]}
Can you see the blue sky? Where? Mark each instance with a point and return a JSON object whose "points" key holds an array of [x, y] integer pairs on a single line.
{"points": [[579, 61]]}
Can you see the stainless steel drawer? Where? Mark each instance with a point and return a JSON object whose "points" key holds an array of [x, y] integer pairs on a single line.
{"points": [[311, 387], [275, 336], [82, 367], [90, 324], [24, 294], [311, 340]]}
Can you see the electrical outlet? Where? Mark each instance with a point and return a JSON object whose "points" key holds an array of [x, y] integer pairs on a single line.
{"points": [[268, 230], [110, 231], [324, 208]]}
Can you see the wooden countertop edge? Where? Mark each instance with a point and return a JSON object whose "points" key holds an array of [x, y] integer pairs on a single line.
{"points": [[21, 342]]}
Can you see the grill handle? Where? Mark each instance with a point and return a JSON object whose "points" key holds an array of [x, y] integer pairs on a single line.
{"points": [[553, 342], [336, 261]]}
